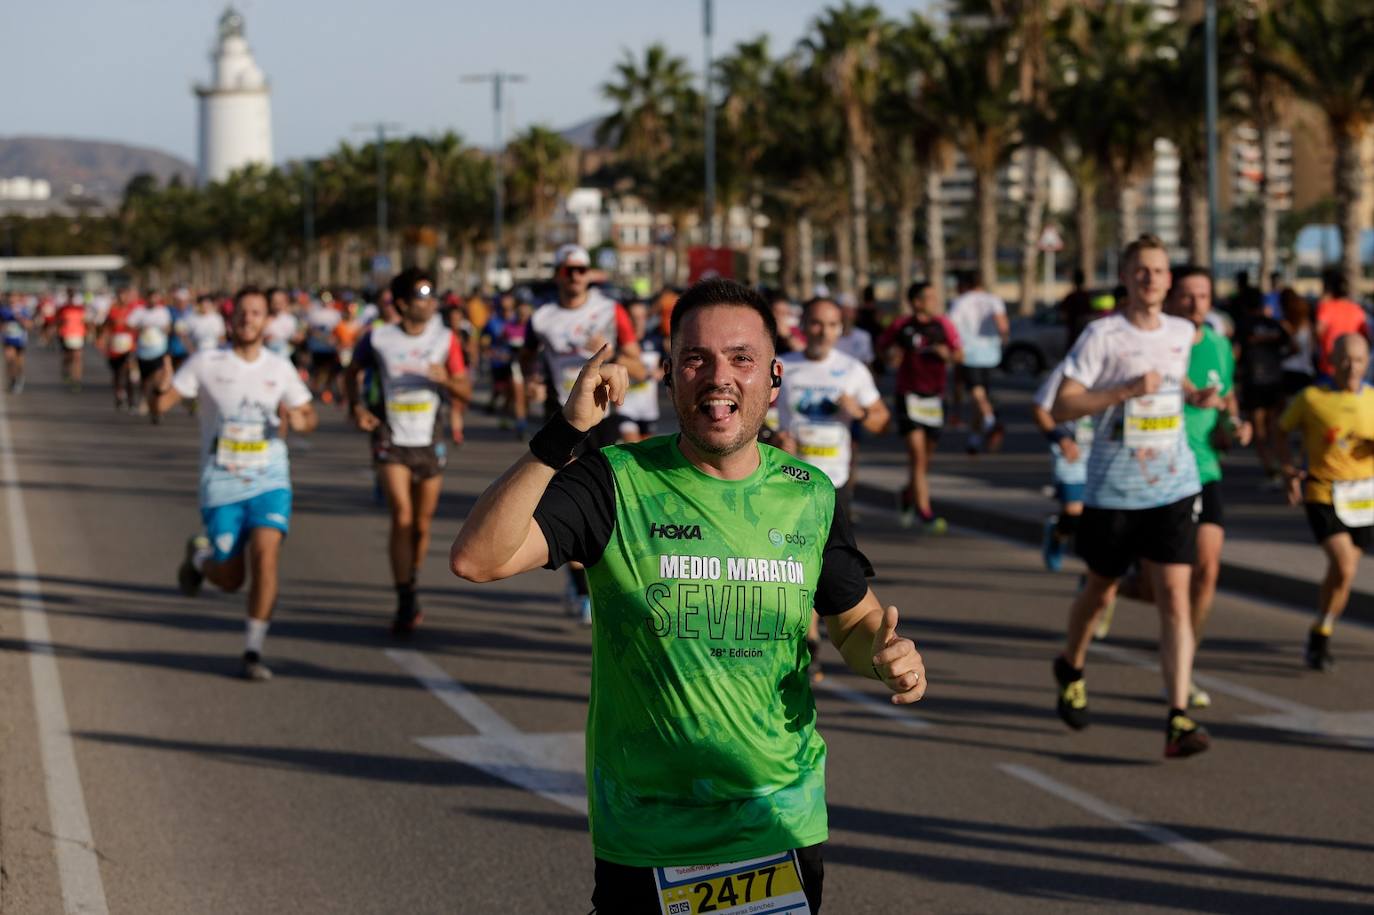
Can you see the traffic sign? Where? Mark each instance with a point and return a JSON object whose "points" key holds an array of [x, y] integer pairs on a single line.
{"points": [[1050, 239]]}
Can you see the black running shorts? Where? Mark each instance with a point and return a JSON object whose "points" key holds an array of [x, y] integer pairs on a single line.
{"points": [[1110, 539], [424, 462], [1321, 517], [972, 376], [1209, 509], [906, 425]]}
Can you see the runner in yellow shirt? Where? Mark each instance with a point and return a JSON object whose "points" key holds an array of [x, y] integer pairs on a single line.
{"points": [[1336, 420]]}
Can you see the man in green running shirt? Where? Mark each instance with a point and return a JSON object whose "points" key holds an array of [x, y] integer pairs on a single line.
{"points": [[705, 552]]}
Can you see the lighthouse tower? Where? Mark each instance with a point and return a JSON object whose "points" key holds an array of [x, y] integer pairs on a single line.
{"points": [[235, 109]]}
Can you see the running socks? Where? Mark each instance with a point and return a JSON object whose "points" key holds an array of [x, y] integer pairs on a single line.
{"points": [[256, 632], [405, 597]]}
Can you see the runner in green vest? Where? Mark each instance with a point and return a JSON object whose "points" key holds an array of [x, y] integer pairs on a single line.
{"points": [[705, 552]]}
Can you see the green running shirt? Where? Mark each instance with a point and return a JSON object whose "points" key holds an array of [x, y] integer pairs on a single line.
{"points": [[1210, 364], [701, 729]]}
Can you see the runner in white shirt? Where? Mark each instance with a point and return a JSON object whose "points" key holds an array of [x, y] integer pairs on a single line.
{"points": [[823, 392], [855, 341], [152, 327], [640, 411], [324, 352], [245, 393], [419, 363], [981, 320], [205, 326], [1129, 370], [283, 330], [563, 336]]}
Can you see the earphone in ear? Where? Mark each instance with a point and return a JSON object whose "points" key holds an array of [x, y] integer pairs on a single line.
{"points": [[777, 378], [667, 374]]}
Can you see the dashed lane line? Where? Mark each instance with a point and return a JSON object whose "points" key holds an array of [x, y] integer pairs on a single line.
{"points": [[1123, 818]]}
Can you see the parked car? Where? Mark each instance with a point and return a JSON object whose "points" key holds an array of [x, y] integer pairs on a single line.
{"points": [[1036, 343]]}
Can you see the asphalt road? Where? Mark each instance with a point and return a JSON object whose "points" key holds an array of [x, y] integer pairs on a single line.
{"points": [[205, 794]]}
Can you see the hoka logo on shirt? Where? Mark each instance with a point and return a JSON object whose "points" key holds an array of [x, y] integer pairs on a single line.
{"points": [[675, 531]]}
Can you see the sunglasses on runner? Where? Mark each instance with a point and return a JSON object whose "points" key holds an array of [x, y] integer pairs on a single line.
{"points": [[572, 270]]}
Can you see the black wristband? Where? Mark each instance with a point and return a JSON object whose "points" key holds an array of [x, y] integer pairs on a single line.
{"points": [[1054, 436], [556, 441]]}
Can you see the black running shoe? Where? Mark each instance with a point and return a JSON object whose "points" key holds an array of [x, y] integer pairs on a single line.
{"points": [[1185, 738], [189, 578], [1318, 655], [1072, 704], [408, 617], [253, 669]]}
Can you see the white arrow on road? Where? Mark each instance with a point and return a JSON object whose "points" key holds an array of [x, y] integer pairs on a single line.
{"points": [[550, 765]]}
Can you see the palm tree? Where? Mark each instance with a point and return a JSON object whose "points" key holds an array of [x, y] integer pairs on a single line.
{"points": [[653, 126], [973, 89], [745, 77], [845, 48], [542, 168], [1321, 50], [802, 168], [1259, 93], [1099, 121]]}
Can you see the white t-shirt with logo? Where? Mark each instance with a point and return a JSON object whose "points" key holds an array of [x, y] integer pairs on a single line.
{"points": [[242, 452], [641, 400], [322, 320], [206, 329], [808, 407], [411, 401], [1140, 456], [974, 315], [152, 327], [280, 330], [563, 335]]}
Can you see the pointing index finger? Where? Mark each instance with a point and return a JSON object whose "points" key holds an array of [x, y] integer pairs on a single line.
{"points": [[600, 356]]}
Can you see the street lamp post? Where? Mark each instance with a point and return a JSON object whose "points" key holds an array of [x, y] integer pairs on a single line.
{"points": [[706, 30], [381, 127], [497, 79], [1212, 177]]}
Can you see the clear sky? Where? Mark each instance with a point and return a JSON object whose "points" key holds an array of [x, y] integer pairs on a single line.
{"points": [[123, 69]]}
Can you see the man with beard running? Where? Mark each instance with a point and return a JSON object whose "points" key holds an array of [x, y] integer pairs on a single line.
{"points": [[562, 336], [248, 396], [706, 551], [419, 365]]}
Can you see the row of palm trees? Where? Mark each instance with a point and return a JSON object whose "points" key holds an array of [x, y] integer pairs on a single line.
{"points": [[1092, 83], [838, 145]]}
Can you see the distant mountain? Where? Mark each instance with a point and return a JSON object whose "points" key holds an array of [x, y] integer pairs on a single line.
{"points": [[583, 134], [101, 169]]}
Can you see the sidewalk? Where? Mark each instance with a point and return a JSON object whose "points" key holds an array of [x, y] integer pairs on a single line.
{"points": [[1269, 552]]}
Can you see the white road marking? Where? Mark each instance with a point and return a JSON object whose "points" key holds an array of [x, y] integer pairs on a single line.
{"points": [[1123, 818], [78, 867], [1355, 729], [898, 713], [449, 691], [552, 766]]}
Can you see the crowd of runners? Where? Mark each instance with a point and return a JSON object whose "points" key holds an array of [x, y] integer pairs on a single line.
{"points": [[707, 562]]}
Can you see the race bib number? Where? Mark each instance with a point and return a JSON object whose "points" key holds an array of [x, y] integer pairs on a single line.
{"points": [[925, 411], [821, 441], [1354, 502], [410, 413], [153, 342], [771, 884], [241, 445], [12, 330], [121, 343], [1153, 422]]}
